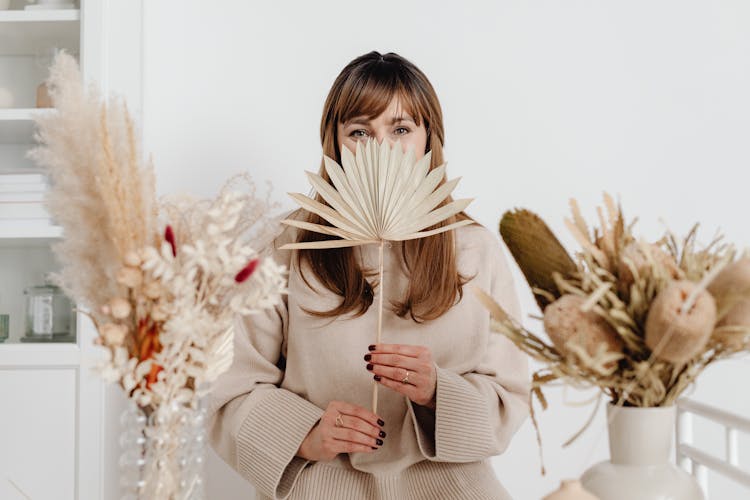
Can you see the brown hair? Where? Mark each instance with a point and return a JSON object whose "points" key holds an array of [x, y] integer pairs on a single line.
{"points": [[365, 87]]}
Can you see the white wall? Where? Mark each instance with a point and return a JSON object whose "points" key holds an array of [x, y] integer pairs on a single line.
{"points": [[543, 101]]}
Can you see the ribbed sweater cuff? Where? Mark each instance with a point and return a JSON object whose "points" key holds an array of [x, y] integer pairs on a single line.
{"points": [[462, 428], [269, 438]]}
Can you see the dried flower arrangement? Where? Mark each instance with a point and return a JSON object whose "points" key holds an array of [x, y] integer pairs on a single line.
{"points": [[161, 295], [379, 194], [638, 320]]}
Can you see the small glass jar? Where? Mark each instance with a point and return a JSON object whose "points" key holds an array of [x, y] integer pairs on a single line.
{"points": [[4, 327], [48, 311]]}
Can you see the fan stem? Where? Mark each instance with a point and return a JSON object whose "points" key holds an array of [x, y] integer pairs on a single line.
{"points": [[380, 323]]}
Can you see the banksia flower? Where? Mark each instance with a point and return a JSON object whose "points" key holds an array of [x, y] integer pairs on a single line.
{"points": [[566, 323], [536, 250], [634, 254], [732, 285], [674, 335], [731, 289]]}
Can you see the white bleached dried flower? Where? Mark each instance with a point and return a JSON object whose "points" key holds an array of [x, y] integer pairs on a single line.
{"points": [[130, 277], [152, 290], [120, 308], [158, 313], [132, 259], [112, 247], [113, 334]]}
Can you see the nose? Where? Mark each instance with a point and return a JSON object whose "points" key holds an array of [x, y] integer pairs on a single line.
{"points": [[381, 136]]}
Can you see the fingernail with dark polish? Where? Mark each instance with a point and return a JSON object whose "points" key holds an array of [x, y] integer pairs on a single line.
{"points": [[368, 357], [382, 434], [379, 441], [373, 447], [369, 366], [371, 347], [377, 377], [381, 423]]}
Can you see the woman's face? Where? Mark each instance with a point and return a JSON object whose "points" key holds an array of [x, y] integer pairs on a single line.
{"points": [[392, 124]]}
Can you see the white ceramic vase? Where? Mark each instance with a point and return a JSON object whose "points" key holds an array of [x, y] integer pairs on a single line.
{"points": [[640, 444]]}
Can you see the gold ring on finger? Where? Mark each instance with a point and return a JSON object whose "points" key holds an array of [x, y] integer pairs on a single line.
{"points": [[339, 421]]}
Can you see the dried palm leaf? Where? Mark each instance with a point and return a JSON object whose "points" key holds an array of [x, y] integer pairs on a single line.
{"points": [[537, 251], [380, 194]]}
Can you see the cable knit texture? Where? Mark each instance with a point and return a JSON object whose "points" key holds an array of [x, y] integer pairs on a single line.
{"points": [[288, 366]]}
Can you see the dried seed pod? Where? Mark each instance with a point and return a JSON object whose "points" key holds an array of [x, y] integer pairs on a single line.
{"points": [[565, 322], [120, 308], [152, 290], [113, 334], [158, 313], [130, 277], [677, 337], [733, 284], [635, 253], [132, 259]]}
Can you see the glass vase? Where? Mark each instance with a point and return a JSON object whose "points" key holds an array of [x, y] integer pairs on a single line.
{"points": [[163, 454]]}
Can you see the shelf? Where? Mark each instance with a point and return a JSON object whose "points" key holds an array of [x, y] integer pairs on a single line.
{"points": [[28, 32], [36, 16], [17, 124], [41, 354], [23, 234], [22, 114], [69, 338]]}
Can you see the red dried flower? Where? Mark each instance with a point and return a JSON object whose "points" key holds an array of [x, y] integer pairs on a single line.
{"points": [[152, 375], [169, 236], [146, 345], [246, 271]]}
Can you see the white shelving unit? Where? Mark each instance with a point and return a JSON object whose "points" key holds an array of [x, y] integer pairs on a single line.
{"points": [[28, 40], [21, 115], [51, 418], [28, 31], [17, 125], [20, 234]]}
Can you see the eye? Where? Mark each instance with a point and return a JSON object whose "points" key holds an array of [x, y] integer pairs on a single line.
{"points": [[402, 131], [358, 133]]}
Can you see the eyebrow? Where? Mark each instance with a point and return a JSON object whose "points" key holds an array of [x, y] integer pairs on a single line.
{"points": [[362, 120]]}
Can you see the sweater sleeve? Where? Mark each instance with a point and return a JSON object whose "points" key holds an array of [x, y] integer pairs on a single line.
{"points": [[254, 425], [477, 413]]}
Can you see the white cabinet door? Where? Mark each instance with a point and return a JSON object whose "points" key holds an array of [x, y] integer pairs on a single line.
{"points": [[51, 407], [38, 433]]}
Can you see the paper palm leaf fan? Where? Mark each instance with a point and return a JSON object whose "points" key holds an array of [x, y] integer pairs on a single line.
{"points": [[381, 194]]}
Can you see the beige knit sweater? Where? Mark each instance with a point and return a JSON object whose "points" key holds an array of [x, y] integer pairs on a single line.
{"points": [[259, 413]]}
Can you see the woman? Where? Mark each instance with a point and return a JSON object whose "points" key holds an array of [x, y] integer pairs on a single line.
{"points": [[291, 415]]}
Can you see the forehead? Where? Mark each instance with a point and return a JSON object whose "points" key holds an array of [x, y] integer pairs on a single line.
{"points": [[394, 110], [371, 100]]}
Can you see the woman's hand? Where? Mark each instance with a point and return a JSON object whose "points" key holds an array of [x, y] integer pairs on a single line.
{"points": [[390, 362], [359, 430]]}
